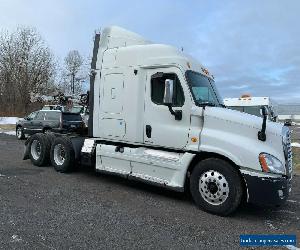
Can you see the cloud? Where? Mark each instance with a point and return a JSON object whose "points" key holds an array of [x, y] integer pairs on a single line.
{"points": [[254, 45], [248, 46], [239, 86]]}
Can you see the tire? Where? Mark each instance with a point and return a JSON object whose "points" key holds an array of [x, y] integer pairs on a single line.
{"points": [[62, 154], [50, 137], [46, 130], [20, 133], [216, 186], [39, 148]]}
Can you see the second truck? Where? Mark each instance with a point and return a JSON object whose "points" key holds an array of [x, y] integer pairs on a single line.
{"points": [[157, 116]]}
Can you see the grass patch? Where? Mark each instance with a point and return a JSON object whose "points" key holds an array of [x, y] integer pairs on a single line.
{"points": [[8, 126], [296, 159]]}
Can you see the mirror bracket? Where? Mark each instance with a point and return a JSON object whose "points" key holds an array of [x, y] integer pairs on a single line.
{"points": [[261, 135], [177, 113]]}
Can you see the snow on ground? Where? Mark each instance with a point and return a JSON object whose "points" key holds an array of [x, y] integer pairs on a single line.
{"points": [[295, 144], [8, 120], [7, 132], [290, 247]]}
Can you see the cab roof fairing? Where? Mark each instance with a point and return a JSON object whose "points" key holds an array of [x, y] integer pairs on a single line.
{"points": [[133, 50]]}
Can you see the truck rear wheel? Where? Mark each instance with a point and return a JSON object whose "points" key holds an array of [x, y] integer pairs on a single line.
{"points": [[39, 148], [216, 186], [62, 154]]}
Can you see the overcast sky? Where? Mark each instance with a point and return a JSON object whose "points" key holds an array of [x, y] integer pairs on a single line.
{"points": [[249, 46]]}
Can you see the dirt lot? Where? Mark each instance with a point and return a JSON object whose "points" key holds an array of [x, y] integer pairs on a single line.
{"points": [[42, 209]]}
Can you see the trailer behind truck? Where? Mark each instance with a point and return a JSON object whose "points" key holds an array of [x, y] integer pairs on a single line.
{"points": [[156, 116]]}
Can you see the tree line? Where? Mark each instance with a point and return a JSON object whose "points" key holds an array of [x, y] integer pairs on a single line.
{"points": [[29, 71]]}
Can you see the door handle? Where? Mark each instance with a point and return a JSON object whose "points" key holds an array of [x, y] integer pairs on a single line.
{"points": [[148, 131]]}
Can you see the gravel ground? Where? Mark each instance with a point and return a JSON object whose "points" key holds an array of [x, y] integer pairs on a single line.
{"points": [[43, 209]]}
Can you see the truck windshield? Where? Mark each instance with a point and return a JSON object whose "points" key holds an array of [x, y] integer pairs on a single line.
{"points": [[203, 89]]}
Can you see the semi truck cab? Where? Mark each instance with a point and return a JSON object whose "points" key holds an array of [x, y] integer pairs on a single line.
{"points": [[157, 116]]}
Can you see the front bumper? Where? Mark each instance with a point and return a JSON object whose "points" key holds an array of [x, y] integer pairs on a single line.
{"points": [[267, 191]]}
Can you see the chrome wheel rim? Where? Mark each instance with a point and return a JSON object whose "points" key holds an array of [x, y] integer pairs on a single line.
{"points": [[59, 154], [36, 149], [213, 187]]}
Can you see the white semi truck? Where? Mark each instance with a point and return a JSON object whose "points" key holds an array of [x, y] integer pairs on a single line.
{"points": [[156, 116]]}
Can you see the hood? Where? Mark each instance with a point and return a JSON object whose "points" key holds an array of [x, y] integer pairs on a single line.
{"points": [[234, 135], [243, 119]]}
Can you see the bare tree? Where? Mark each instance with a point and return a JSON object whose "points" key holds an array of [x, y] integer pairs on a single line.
{"points": [[74, 62], [26, 68]]}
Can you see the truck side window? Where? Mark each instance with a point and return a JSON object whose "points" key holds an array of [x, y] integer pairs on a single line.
{"points": [[158, 89], [40, 116], [32, 116], [53, 116]]}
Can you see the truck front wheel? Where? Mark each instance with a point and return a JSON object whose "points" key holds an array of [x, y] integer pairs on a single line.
{"points": [[62, 154], [216, 186]]}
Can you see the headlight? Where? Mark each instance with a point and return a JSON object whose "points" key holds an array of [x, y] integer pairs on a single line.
{"points": [[270, 164]]}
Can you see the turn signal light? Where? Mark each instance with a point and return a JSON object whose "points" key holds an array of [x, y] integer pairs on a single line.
{"points": [[263, 163], [194, 139]]}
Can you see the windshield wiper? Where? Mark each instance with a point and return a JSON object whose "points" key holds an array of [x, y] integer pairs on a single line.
{"points": [[211, 104]]}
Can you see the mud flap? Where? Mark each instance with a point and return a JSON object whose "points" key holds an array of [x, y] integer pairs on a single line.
{"points": [[26, 149]]}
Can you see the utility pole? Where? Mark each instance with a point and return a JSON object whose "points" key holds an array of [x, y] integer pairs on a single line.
{"points": [[73, 83]]}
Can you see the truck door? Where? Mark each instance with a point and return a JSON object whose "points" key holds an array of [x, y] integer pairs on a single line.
{"points": [[37, 123], [160, 127]]}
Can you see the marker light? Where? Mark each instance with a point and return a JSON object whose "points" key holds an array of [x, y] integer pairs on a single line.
{"points": [[194, 139]]}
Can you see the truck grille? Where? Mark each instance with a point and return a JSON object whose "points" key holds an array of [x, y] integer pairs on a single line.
{"points": [[288, 153]]}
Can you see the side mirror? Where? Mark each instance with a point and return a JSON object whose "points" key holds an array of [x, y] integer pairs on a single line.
{"points": [[168, 95], [168, 99]]}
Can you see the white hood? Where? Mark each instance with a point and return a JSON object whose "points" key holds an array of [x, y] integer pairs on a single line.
{"points": [[234, 134], [243, 119]]}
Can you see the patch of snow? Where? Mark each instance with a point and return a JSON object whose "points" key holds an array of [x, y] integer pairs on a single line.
{"points": [[284, 211], [291, 247], [16, 238], [270, 225], [292, 201], [9, 132], [9, 120], [38, 97], [1, 175], [295, 144]]}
